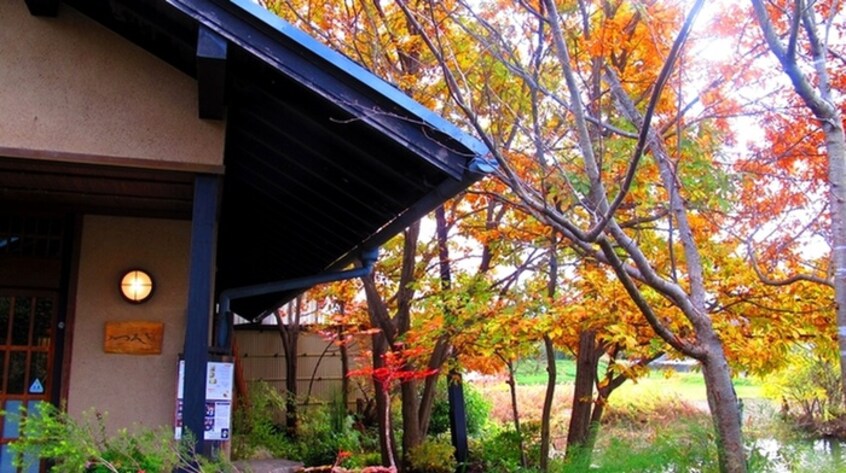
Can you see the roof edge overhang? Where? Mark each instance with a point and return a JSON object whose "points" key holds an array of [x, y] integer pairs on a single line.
{"points": [[338, 80]]}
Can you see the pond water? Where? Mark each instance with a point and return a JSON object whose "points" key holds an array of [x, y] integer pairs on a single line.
{"points": [[818, 456]]}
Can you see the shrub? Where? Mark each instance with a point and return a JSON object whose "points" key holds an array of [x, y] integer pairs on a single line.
{"points": [[499, 450], [72, 447], [809, 384], [318, 443], [476, 406], [324, 430], [254, 428], [434, 455]]}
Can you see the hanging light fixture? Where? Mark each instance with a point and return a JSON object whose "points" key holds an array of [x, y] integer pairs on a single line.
{"points": [[136, 286]]}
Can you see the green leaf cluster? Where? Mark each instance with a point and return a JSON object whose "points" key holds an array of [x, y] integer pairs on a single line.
{"points": [[434, 455]]}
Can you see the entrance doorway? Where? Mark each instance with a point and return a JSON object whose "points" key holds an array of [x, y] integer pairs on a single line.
{"points": [[30, 289], [26, 358]]}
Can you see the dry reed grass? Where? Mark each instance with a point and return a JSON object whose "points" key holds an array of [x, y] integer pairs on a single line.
{"points": [[639, 418]]}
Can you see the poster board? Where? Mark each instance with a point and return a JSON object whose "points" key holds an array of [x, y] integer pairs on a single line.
{"points": [[219, 382]]}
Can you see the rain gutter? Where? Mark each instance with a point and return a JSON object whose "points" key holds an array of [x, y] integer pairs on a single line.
{"points": [[368, 259]]}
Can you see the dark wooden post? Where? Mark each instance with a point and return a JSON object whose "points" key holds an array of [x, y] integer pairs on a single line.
{"points": [[457, 419], [200, 297]]}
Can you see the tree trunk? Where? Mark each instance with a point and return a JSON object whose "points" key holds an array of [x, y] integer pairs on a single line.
{"points": [[430, 384], [722, 400], [345, 368], [291, 388], [411, 435], [817, 96], [836, 147], [383, 402], [290, 333], [512, 385], [579, 430], [547, 403]]}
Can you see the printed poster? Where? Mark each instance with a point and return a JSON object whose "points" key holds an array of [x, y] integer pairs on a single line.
{"points": [[218, 417]]}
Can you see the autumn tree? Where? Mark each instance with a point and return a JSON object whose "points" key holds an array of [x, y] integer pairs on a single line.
{"points": [[608, 132], [580, 180], [593, 321], [798, 34], [422, 301], [383, 40]]}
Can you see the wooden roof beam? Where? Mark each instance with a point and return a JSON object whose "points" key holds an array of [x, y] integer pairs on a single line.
{"points": [[43, 7]]}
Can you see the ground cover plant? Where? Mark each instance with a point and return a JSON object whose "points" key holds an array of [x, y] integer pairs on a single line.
{"points": [[661, 429], [260, 430], [73, 446]]}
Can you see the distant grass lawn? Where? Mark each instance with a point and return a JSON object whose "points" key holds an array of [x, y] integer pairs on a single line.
{"points": [[688, 386]]}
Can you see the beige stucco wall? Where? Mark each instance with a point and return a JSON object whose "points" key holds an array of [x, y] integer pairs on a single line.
{"points": [[71, 86], [133, 389]]}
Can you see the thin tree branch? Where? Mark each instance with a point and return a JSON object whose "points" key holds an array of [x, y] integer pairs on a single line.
{"points": [[683, 346], [786, 281], [647, 119]]}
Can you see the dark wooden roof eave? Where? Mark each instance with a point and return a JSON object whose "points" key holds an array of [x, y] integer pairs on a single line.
{"points": [[338, 79]]}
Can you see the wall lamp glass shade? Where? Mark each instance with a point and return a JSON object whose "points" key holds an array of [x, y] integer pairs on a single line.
{"points": [[136, 286]]}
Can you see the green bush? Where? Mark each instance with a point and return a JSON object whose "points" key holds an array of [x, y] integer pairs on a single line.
{"points": [[478, 410], [808, 386], [432, 456], [499, 449], [254, 428], [73, 447], [323, 430], [361, 460], [318, 443]]}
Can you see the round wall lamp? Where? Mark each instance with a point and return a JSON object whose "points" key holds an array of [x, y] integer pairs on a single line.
{"points": [[136, 286]]}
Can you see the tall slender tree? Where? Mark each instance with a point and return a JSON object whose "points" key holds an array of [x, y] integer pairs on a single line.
{"points": [[585, 203], [798, 34]]}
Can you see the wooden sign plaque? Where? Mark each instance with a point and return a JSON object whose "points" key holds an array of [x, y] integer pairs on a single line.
{"points": [[134, 338]]}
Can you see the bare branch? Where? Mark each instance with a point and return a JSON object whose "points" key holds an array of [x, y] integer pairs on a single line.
{"points": [[786, 281], [794, 31], [823, 109]]}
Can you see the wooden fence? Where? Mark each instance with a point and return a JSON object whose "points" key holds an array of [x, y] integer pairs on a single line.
{"points": [[319, 372]]}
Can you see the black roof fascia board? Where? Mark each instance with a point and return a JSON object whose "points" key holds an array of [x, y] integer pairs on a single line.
{"points": [[339, 80]]}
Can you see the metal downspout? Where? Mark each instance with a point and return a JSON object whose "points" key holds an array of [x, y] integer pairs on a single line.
{"points": [[224, 318]]}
